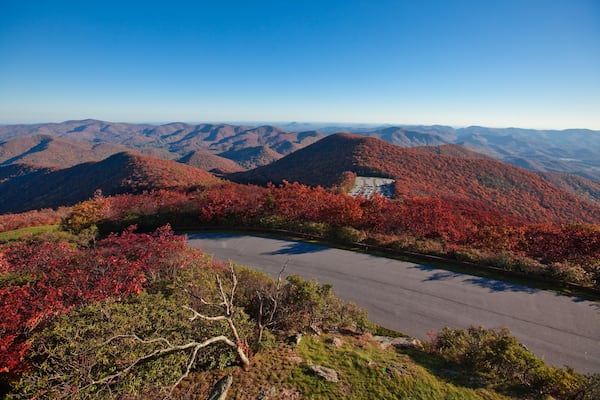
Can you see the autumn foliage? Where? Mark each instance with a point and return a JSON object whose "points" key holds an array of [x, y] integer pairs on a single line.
{"points": [[464, 229], [448, 175], [41, 279], [9, 222]]}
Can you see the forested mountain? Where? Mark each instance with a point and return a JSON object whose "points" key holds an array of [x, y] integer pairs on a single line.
{"points": [[575, 151], [407, 137], [13, 171], [252, 157], [26, 188], [510, 189], [452, 150], [53, 151], [586, 189], [204, 159], [178, 139]]}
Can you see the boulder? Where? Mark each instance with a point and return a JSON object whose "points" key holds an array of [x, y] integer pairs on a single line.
{"points": [[386, 341], [328, 374]]}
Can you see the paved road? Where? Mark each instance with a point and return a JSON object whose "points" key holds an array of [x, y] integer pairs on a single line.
{"points": [[415, 298], [367, 186]]}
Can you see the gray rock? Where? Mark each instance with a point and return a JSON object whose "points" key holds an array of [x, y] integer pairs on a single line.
{"points": [[328, 374], [219, 391], [399, 370], [336, 341], [386, 341], [316, 330]]}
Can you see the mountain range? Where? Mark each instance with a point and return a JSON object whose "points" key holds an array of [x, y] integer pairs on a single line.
{"points": [[169, 141], [573, 151], [40, 163]]}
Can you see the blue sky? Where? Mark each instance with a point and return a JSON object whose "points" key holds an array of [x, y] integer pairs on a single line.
{"points": [[520, 63]]}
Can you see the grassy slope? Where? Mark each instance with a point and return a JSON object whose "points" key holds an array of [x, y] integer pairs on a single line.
{"points": [[365, 371], [18, 234]]}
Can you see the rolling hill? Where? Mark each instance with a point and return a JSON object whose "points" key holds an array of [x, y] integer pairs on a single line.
{"points": [[573, 151], [175, 140], [511, 190], [586, 189], [252, 157], [13, 171], [51, 151], [208, 161], [27, 188], [406, 137], [277, 139]]}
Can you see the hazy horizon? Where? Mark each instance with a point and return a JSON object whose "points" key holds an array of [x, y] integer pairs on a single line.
{"points": [[284, 124], [530, 65]]}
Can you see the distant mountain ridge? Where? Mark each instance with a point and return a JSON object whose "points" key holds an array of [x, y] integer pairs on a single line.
{"points": [[174, 140], [252, 157], [207, 161], [50, 151], [226, 148], [573, 151]]}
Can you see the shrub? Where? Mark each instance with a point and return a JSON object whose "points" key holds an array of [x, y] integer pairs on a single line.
{"points": [[569, 272], [308, 304], [74, 351], [85, 214], [43, 279], [346, 234], [495, 357]]}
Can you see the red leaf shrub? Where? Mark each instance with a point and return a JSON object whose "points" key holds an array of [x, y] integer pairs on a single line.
{"points": [[52, 278]]}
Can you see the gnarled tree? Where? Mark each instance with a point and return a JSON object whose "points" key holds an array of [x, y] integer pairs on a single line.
{"points": [[156, 343]]}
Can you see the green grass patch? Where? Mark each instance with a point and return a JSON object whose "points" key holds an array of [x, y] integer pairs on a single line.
{"points": [[19, 234], [365, 371]]}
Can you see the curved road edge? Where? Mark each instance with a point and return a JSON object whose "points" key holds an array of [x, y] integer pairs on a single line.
{"points": [[415, 298]]}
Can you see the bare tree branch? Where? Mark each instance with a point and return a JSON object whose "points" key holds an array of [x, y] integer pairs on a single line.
{"points": [[205, 317], [137, 338], [166, 347], [158, 352], [233, 284], [187, 370], [273, 296]]}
